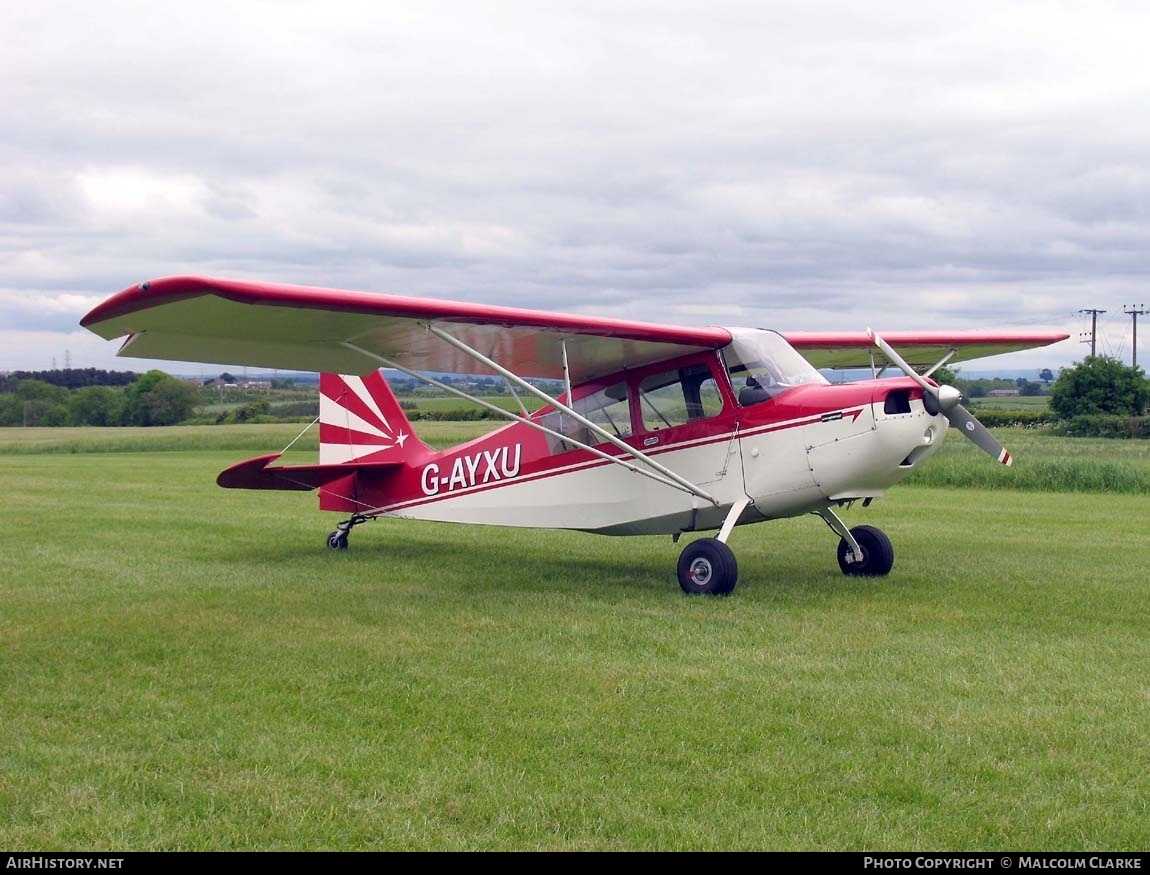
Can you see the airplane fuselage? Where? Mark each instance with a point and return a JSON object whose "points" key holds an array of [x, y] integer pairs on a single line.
{"points": [[808, 447]]}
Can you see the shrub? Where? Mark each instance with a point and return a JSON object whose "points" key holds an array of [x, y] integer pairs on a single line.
{"points": [[1105, 426], [1014, 418]]}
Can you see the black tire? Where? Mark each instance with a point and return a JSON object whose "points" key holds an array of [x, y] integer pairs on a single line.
{"points": [[337, 540], [878, 553], [708, 567]]}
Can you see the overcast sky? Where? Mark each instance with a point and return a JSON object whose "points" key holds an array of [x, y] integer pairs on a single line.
{"points": [[791, 165]]}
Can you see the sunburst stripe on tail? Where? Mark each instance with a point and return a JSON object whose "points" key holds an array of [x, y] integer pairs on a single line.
{"points": [[361, 420]]}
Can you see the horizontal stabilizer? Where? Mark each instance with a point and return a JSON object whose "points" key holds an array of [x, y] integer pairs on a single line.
{"points": [[257, 473]]}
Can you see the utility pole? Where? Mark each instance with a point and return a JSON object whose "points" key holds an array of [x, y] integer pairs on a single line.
{"points": [[1093, 329], [1135, 311]]}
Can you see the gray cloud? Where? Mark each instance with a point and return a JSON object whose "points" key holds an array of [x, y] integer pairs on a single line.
{"points": [[819, 165]]}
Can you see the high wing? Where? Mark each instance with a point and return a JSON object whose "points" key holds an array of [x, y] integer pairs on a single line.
{"points": [[233, 322], [921, 349], [273, 325]]}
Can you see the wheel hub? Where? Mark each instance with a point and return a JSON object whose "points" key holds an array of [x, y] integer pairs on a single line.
{"points": [[701, 571]]}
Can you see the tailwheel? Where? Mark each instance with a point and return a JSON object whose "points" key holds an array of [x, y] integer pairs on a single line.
{"points": [[878, 554], [708, 567], [337, 540]]}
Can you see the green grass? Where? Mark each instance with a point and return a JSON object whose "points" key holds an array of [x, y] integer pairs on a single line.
{"points": [[1033, 403], [1043, 463], [441, 404], [257, 439], [184, 667]]}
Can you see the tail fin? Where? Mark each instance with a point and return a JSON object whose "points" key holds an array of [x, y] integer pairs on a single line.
{"points": [[360, 420]]}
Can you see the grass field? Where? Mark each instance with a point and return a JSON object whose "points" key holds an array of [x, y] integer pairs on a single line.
{"points": [[1012, 402], [185, 667], [1043, 463], [450, 402], [258, 439]]}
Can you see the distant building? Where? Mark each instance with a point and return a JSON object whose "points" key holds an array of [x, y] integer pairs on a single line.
{"points": [[240, 384], [1004, 393]]}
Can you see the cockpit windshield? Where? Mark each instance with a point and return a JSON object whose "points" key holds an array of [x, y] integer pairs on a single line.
{"points": [[762, 365]]}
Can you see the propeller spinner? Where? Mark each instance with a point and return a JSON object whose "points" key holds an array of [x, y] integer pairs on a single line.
{"points": [[947, 400]]}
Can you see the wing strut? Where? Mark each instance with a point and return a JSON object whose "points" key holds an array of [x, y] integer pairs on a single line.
{"points": [[567, 372], [673, 480], [942, 361], [566, 408], [511, 388]]}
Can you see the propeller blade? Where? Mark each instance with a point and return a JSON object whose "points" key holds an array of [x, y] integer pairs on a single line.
{"points": [[899, 362], [947, 399], [964, 421]]}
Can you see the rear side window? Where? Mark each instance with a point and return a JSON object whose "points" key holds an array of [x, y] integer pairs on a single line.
{"points": [[609, 408]]}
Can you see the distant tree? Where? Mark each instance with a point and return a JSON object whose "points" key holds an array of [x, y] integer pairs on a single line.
{"points": [[96, 405], [975, 389], [1100, 385], [40, 403], [946, 377], [225, 377], [159, 399], [39, 390], [171, 401], [1046, 375], [246, 412], [1030, 389], [69, 378], [11, 409]]}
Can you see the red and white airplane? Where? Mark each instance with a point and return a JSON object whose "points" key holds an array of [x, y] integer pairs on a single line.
{"points": [[660, 430]]}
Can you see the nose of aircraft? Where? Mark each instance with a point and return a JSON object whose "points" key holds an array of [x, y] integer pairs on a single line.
{"points": [[893, 434]]}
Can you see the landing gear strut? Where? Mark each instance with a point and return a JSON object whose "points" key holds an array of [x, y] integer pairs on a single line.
{"points": [[337, 540]]}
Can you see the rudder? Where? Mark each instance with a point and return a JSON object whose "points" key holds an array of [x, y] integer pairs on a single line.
{"points": [[360, 420]]}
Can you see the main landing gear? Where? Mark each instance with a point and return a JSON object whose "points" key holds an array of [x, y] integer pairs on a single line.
{"points": [[708, 566], [337, 540], [864, 551], [877, 553]]}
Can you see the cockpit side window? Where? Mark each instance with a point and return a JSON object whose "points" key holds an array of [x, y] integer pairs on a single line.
{"points": [[676, 397], [755, 383], [762, 365]]}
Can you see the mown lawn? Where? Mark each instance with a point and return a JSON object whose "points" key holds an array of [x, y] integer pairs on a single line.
{"points": [[184, 667]]}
